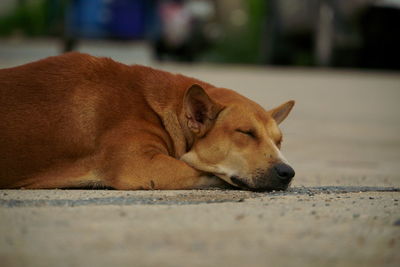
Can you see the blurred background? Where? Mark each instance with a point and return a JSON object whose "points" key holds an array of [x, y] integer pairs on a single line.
{"points": [[334, 33]]}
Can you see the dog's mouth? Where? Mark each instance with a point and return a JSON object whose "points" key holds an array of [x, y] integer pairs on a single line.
{"points": [[261, 185], [234, 181], [243, 185], [240, 183]]}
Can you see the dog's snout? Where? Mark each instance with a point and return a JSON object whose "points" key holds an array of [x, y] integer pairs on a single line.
{"points": [[278, 177], [284, 171]]}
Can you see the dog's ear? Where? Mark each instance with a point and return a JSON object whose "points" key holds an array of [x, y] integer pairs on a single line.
{"points": [[280, 113], [200, 110]]}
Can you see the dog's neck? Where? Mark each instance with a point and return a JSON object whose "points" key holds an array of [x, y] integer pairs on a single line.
{"points": [[182, 137], [176, 125]]}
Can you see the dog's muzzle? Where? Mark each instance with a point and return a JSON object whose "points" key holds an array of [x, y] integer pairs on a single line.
{"points": [[278, 177]]}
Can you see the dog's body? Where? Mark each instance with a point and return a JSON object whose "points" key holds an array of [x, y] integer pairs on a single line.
{"points": [[79, 121]]}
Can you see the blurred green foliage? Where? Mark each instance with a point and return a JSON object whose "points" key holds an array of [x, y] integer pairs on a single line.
{"points": [[32, 18], [243, 44]]}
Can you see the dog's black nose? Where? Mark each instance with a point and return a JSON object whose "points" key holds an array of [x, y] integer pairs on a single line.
{"points": [[284, 171]]}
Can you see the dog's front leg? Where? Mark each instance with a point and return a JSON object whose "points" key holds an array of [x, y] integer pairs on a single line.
{"points": [[160, 171]]}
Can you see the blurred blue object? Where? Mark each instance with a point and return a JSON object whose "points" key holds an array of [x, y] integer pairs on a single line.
{"points": [[123, 19], [86, 18], [127, 18]]}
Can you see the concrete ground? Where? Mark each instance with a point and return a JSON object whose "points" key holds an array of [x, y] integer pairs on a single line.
{"points": [[343, 139]]}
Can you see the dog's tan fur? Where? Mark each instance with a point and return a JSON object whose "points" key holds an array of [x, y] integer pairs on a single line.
{"points": [[75, 121]]}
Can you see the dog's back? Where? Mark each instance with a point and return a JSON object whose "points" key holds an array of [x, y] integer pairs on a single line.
{"points": [[49, 113]]}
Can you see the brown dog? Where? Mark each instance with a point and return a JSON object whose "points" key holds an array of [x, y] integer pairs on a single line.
{"points": [[79, 121]]}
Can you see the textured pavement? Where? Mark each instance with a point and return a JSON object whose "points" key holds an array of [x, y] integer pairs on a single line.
{"points": [[342, 138]]}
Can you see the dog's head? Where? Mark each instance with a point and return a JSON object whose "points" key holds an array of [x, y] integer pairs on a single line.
{"points": [[236, 139]]}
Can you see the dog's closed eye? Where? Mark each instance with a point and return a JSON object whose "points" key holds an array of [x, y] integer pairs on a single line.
{"points": [[250, 133]]}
